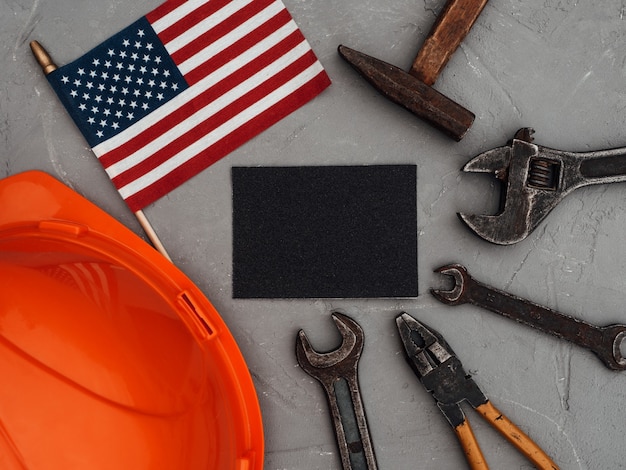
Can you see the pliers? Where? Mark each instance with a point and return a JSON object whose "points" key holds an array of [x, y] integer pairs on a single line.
{"points": [[442, 374]]}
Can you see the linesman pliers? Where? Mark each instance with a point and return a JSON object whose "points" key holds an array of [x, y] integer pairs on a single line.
{"points": [[441, 372]]}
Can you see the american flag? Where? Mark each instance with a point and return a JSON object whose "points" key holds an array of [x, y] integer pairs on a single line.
{"points": [[185, 85]]}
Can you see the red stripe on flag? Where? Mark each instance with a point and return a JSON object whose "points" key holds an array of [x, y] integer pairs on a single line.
{"points": [[193, 135], [219, 30], [184, 111], [249, 130], [192, 19]]}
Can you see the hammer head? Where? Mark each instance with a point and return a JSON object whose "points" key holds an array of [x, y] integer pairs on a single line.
{"points": [[409, 92], [528, 195]]}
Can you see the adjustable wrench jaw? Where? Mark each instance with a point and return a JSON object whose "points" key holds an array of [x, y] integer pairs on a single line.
{"points": [[494, 161], [532, 185]]}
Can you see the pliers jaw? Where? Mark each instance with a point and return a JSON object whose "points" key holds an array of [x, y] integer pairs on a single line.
{"points": [[438, 368], [426, 349]]}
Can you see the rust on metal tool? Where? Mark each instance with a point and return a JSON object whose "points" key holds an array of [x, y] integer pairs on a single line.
{"points": [[412, 89]]}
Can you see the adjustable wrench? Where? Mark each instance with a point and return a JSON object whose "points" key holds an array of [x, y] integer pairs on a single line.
{"points": [[535, 179], [337, 372], [605, 342]]}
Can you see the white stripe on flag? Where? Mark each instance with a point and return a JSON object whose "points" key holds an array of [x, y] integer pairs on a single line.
{"points": [[249, 113]]}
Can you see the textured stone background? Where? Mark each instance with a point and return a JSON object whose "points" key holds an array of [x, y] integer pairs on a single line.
{"points": [[555, 65]]}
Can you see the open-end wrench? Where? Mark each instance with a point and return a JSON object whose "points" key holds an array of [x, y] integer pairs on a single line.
{"points": [[337, 372], [605, 342], [534, 180]]}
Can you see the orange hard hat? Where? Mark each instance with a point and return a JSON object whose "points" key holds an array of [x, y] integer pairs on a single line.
{"points": [[110, 357]]}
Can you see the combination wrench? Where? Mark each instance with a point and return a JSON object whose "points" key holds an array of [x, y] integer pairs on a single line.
{"points": [[337, 372], [605, 342]]}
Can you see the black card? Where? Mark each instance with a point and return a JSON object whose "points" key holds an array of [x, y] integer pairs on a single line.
{"points": [[324, 231]]}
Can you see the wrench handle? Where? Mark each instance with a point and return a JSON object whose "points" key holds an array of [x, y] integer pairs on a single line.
{"points": [[604, 342], [351, 430], [604, 167]]}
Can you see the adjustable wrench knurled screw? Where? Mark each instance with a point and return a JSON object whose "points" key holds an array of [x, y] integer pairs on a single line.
{"points": [[337, 372]]}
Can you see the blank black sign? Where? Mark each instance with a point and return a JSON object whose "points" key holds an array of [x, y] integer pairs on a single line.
{"points": [[324, 231]]}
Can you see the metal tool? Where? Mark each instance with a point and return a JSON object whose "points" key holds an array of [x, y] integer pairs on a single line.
{"points": [[535, 179], [337, 372], [413, 90], [605, 342], [442, 374]]}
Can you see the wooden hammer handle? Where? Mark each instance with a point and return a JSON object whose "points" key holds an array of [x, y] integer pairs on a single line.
{"points": [[446, 35]]}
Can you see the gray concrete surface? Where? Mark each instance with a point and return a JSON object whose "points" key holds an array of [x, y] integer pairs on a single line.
{"points": [[556, 65]]}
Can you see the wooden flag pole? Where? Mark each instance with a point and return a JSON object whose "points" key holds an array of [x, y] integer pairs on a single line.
{"points": [[154, 238], [47, 65]]}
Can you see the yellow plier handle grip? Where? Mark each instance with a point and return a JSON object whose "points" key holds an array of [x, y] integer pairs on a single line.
{"points": [[510, 431], [472, 451]]}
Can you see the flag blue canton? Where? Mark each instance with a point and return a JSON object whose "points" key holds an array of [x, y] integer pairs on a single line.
{"points": [[118, 82]]}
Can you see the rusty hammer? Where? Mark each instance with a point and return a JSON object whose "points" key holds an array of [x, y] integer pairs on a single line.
{"points": [[413, 90]]}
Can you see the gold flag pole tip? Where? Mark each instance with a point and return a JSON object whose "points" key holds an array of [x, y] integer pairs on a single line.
{"points": [[42, 57]]}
